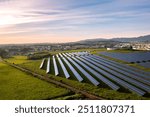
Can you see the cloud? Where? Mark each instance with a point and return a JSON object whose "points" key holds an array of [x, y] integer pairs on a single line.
{"points": [[75, 17]]}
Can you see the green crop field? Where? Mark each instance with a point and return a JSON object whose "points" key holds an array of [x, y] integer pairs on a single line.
{"points": [[17, 85], [106, 93], [17, 59]]}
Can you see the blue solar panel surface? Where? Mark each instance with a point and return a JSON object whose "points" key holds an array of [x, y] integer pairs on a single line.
{"points": [[63, 67], [55, 66], [129, 57], [48, 65], [42, 63], [98, 75], [116, 79], [76, 74], [123, 76], [127, 68], [140, 58], [93, 80]]}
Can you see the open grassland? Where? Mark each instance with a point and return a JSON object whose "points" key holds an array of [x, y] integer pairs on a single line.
{"points": [[17, 85], [17, 59], [106, 93]]}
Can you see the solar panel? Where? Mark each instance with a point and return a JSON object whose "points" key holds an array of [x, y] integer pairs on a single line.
{"points": [[48, 66], [55, 66], [125, 66], [126, 73], [42, 63], [99, 76], [114, 78], [68, 54], [63, 67], [146, 65], [129, 57], [77, 53], [76, 74], [94, 81], [121, 76], [129, 69]]}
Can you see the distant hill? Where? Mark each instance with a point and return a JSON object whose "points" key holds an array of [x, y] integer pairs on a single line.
{"points": [[133, 39], [122, 39], [92, 40]]}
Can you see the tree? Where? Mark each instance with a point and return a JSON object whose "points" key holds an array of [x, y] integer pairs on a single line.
{"points": [[3, 53]]}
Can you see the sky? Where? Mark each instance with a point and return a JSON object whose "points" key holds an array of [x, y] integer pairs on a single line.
{"points": [[60, 21]]}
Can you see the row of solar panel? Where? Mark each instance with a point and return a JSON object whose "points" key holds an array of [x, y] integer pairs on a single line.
{"points": [[116, 76], [96, 69], [55, 66], [146, 65], [79, 53], [121, 75], [136, 57], [127, 68]]}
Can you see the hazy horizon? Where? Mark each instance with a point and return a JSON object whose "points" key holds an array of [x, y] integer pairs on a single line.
{"points": [[49, 21]]}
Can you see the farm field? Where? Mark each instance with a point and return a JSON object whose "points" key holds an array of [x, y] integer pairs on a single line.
{"points": [[102, 91], [17, 85]]}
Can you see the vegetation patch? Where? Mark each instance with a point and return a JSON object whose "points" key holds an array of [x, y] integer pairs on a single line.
{"points": [[17, 59], [38, 55], [17, 85]]}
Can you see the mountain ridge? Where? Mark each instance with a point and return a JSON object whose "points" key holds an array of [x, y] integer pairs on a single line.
{"points": [[119, 39]]}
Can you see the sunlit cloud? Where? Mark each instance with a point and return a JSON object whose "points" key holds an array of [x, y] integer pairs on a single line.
{"points": [[74, 19]]}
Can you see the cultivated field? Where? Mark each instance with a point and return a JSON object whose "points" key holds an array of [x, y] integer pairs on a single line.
{"points": [[102, 90], [17, 85]]}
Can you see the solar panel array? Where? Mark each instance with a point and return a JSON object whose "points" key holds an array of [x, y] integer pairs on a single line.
{"points": [[48, 66], [76, 74], [145, 64], [140, 58], [98, 75], [124, 67], [63, 67], [55, 66], [100, 71], [78, 53], [90, 78], [121, 73], [42, 63]]}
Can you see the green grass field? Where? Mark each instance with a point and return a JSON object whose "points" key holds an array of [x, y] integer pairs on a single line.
{"points": [[17, 85], [97, 90]]}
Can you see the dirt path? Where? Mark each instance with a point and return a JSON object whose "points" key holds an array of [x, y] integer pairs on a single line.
{"points": [[61, 84]]}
